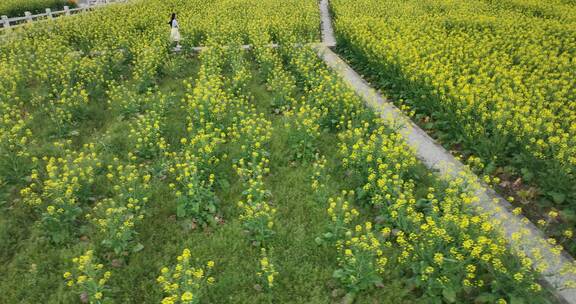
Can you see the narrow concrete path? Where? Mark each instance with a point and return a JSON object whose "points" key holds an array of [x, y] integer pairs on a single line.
{"points": [[521, 233], [327, 31]]}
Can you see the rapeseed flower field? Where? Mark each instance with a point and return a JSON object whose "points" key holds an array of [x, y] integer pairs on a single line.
{"points": [[492, 80], [130, 173]]}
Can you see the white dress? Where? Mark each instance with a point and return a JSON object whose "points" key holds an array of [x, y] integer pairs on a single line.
{"points": [[174, 32]]}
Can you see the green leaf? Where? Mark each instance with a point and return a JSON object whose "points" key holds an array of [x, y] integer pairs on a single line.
{"points": [[449, 294], [486, 298], [568, 215], [138, 247], [349, 298], [180, 211], [527, 174], [515, 300], [339, 273], [558, 198], [360, 193], [490, 168]]}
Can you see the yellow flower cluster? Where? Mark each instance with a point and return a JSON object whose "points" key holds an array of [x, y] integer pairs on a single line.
{"points": [[383, 158], [318, 179], [267, 271], [55, 191], [184, 283], [125, 101], [257, 214], [361, 258], [15, 136], [193, 189], [148, 57], [341, 216], [336, 104], [304, 131], [279, 82], [88, 278], [115, 218], [146, 134], [236, 84]]}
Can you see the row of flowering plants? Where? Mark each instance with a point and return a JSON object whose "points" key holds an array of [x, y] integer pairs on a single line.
{"points": [[193, 168], [252, 165]]}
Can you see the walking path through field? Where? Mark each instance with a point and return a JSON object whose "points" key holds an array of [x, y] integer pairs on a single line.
{"points": [[522, 234], [326, 24]]}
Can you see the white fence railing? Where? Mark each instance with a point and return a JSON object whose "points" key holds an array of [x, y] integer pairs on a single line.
{"points": [[9, 23]]}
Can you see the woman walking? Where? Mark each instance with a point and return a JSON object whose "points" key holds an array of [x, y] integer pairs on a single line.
{"points": [[174, 30]]}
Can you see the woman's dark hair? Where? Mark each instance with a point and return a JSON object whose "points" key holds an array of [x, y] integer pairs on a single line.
{"points": [[172, 19]]}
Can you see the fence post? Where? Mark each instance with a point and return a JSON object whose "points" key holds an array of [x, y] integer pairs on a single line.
{"points": [[28, 16], [49, 13], [6, 22], [67, 10]]}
